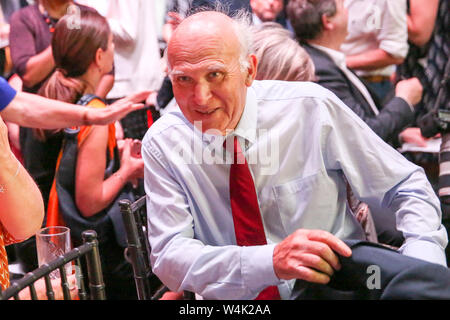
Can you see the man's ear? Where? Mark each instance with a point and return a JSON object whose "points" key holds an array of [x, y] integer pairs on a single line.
{"points": [[327, 23], [251, 70]]}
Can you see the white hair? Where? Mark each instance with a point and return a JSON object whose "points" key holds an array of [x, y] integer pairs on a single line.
{"points": [[242, 29]]}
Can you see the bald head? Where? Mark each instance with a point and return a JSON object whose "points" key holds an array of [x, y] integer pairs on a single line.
{"points": [[213, 29], [204, 23], [211, 69]]}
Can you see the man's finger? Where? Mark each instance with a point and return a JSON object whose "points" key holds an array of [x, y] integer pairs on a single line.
{"points": [[311, 275], [317, 263], [332, 241], [138, 97], [137, 106], [323, 251]]}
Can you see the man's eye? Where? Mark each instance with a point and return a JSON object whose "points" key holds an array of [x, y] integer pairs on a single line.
{"points": [[215, 75], [183, 79]]}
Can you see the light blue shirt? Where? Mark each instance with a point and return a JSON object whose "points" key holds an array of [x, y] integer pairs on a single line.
{"points": [[300, 140]]}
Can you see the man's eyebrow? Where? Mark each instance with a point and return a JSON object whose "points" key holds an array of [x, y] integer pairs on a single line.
{"points": [[216, 66], [176, 72]]}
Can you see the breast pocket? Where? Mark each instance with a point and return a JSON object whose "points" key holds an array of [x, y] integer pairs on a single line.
{"points": [[307, 203]]}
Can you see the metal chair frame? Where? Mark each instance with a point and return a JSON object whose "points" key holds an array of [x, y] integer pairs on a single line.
{"points": [[90, 250], [138, 249], [134, 215]]}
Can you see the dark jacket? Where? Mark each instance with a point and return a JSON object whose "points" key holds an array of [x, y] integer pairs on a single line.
{"points": [[394, 116]]}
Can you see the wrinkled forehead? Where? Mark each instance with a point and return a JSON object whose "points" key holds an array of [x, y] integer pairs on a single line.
{"points": [[202, 37]]}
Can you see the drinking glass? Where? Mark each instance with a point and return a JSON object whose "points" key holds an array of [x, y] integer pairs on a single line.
{"points": [[52, 242]]}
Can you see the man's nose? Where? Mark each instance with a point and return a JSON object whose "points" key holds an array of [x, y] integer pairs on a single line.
{"points": [[202, 93]]}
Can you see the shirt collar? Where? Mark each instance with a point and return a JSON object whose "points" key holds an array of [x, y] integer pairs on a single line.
{"points": [[246, 128], [337, 56]]}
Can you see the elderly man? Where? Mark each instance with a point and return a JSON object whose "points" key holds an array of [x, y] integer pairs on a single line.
{"points": [[246, 186]]}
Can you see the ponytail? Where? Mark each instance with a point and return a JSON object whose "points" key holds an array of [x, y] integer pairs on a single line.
{"points": [[62, 88]]}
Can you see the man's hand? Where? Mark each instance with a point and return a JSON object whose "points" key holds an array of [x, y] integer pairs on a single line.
{"points": [[309, 255], [410, 90], [413, 135], [117, 110]]}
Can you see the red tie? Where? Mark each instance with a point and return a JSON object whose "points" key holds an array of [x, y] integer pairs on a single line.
{"points": [[248, 225]]}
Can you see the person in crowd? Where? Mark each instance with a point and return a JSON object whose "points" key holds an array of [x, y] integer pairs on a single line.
{"points": [[322, 37], [137, 57], [228, 227], [175, 10], [88, 183], [428, 60], [279, 56], [31, 32], [21, 202], [377, 41], [322, 40], [21, 194], [30, 36], [269, 10], [18, 194]]}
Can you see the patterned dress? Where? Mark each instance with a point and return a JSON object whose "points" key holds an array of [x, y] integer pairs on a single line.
{"points": [[5, 239]]}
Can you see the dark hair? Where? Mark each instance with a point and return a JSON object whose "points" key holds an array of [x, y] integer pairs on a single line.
{"points": [[74, 45], [306, 16]]}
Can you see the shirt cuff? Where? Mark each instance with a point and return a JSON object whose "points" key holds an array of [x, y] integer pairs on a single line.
{"points": [[424, 250], [257, 267]]}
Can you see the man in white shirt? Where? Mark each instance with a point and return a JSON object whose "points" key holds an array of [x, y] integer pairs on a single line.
{"points": [[377, 40], [299, 141]]}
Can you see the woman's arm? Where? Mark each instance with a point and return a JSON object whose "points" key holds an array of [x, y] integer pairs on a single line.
{"points": [[21, 204], [38, 68], [92, 192], [30, 110], [32, 66]]}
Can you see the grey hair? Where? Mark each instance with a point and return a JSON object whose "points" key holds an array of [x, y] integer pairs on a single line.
{"points": [[242, 21], [280, 57]]}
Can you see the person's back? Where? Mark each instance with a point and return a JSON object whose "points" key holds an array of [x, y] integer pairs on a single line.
{"points": [[89, 180]]}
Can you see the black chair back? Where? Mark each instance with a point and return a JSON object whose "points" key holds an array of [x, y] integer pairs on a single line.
{"points": [[134, 215], [89, 250]]}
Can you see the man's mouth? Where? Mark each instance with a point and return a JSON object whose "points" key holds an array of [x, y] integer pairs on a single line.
{"points": [[207, 112]]}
